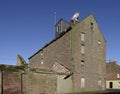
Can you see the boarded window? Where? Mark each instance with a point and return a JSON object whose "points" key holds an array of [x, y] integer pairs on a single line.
{"points": [[99, 42], [118, 75], [82, 82], [100, 83], [82, 49], [82, 36], [41, 62], [41, 53]]}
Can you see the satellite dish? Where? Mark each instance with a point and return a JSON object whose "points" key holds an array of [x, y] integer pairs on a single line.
{"points": [[75, 16]]}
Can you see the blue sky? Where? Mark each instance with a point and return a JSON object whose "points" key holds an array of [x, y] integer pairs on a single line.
{"points": [[27, 25]]}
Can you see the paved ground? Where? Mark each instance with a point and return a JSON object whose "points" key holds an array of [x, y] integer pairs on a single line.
{"points": [[110, 91]]}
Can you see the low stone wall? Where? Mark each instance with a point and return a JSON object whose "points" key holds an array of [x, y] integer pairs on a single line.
{"points": [[18, 80]]}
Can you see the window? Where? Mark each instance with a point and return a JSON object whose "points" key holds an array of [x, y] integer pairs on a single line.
{"points": [[82, 36], [82, 82], [119, 83], [91, 23], [82, 63], [110, 84], [118, 75], [42, 62], [99, 83], [42, 53], [82, 49], [58, 28], [92, 26], [99, 42]]}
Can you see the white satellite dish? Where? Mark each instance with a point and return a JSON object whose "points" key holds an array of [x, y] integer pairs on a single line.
{"points": [[75, 16]]}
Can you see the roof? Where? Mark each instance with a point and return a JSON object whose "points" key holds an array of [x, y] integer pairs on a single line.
{"points": [[112, 76], [112, 66], [56, 38], [63, 33], [60, 21]]}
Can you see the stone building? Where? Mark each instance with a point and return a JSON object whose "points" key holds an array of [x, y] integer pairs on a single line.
{"points": [[75, 61], [112, 75], [112, 66]]}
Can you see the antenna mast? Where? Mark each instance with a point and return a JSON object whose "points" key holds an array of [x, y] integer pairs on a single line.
{"points": [[55, 17]]}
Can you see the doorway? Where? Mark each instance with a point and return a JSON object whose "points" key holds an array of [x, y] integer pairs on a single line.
{"points": [[111, 84]]}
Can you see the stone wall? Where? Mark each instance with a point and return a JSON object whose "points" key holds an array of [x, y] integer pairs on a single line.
{"points": [[112, 67], [22, 80], [56, 52], [28, 81], [10, 79], [66, 50], [64, 85], [94, 57], [0, 82], [11, 82], [39, 83]]}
